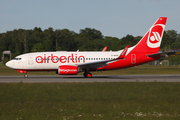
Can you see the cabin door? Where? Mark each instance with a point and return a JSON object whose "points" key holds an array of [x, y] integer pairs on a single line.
{"points": [[30, 60]]}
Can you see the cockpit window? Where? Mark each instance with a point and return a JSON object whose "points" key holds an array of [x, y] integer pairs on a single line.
{"points": [[17, 58]]}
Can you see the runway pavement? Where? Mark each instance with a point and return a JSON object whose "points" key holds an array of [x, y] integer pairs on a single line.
{"points": [[95, 78]]}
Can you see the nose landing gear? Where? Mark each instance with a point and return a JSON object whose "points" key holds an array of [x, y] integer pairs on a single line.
{"points": [[26, 75], [23, 71]]}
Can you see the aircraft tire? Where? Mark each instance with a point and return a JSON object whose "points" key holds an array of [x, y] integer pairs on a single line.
{"points": [[89, 75], [26, 76]]}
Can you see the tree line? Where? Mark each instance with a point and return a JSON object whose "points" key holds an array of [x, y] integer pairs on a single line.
{"points": [[21, 41]]}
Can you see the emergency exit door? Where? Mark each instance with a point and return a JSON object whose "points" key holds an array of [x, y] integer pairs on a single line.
{"points": [[133, 58]]}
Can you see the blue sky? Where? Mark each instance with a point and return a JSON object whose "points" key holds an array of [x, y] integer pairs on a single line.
{"points": [[115, 18]]}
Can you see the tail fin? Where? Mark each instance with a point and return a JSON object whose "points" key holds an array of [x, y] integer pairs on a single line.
{"points": [[151, 41]]}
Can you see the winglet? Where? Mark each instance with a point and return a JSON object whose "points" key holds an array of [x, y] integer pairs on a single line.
{"points": [[123, 53], [104, 50]]}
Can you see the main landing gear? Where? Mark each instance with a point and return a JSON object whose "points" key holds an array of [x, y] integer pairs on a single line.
{"points": [[87, 75]]}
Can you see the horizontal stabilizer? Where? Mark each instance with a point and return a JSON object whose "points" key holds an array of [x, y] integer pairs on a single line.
{"points": [[162, 53]]}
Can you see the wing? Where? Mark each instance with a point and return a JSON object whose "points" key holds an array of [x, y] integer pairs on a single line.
{"points": [[104, 50], [98, 64]]}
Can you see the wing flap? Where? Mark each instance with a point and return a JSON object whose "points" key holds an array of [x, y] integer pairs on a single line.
{"points": [[96, 64]]}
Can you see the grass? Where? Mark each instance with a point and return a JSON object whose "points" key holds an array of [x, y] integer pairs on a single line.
{"points": [[99, 101], [89, 101], [142, 69]]}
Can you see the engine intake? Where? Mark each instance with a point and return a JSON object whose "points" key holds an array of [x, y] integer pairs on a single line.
{"points": [[67, 70]]}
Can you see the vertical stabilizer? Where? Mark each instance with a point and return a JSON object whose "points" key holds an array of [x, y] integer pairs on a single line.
{"points": [[151, 41]]}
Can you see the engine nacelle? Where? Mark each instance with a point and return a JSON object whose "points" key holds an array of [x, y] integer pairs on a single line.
{"points": [[67, 70]]}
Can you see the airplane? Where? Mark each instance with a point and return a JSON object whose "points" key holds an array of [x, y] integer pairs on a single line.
{"points": [[72, 63]]}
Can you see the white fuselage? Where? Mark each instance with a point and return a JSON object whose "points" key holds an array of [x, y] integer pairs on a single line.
{"points": [[52, 60]]}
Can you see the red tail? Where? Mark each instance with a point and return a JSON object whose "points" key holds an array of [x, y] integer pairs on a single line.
{"points": [[151, 42]]}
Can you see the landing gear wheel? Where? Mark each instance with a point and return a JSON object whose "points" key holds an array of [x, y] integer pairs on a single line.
{"points": [[87, 75], [26, 76]]}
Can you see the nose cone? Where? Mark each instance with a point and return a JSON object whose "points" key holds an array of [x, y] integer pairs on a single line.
{"points": [[9, 64]]}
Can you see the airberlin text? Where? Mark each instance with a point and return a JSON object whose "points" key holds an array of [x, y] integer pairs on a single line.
{"points": [[73, 58]]}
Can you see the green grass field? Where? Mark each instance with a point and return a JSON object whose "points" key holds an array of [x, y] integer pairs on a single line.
{"points": [[90, 101]]}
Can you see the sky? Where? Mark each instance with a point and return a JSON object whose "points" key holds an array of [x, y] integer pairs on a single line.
{"points": [[115, 18]]}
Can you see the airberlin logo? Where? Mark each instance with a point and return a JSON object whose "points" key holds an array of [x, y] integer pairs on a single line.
{"points": [[68, 70], [154, 38], [73, 58]]}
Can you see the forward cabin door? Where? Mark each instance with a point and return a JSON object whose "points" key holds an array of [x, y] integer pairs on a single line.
{"points": [[30, 60]]}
